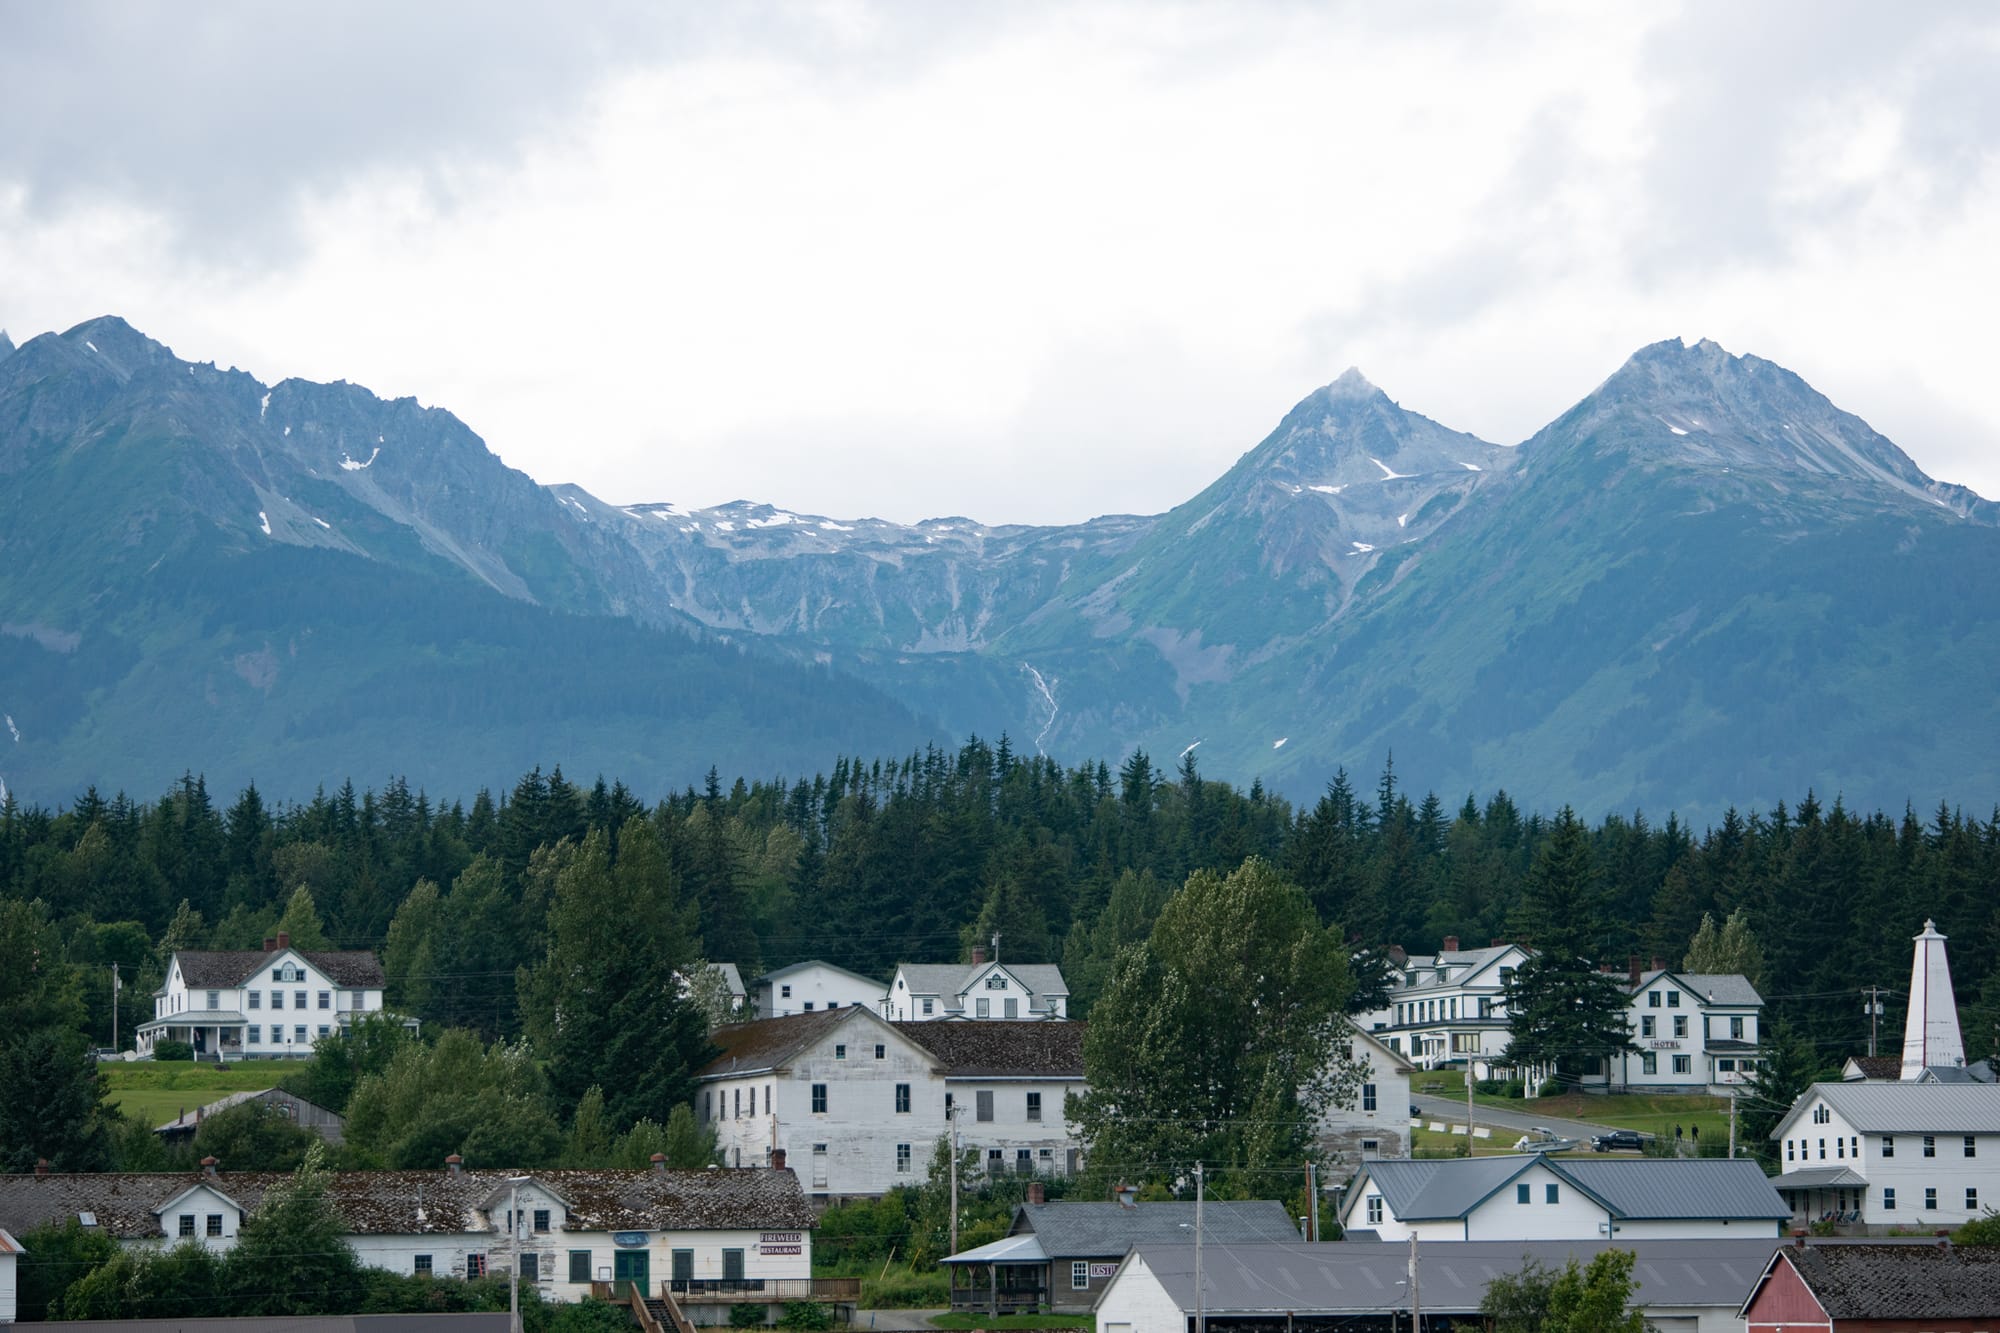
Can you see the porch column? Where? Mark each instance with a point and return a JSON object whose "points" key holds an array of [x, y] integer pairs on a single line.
{"points": [[993, 1290]]}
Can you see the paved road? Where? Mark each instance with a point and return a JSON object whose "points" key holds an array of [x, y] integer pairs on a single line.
{"points": [[1452, 1110]]}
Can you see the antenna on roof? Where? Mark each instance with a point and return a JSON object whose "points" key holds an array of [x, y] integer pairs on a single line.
{"points": [[996, 946]]}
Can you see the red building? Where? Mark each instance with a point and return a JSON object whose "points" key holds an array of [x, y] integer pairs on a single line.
{"points": [[1841, 1288]]}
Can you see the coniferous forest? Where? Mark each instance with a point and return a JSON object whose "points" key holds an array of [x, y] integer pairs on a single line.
{"points": [[881, 860]]}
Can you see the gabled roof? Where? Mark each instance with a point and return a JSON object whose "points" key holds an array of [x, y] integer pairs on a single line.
{"points": [[191, 1120], [1397, 1061], [1003, 1048], [767, 1043], [1877, 1067], [1895, 1281], [732, 977], [778, 974], [1096, 1230], [1641, 1189], [1729, 989], [1474, 961], [951, 979], [206, 969], [1905, 1108], [423, 1202], [8, 1245]]}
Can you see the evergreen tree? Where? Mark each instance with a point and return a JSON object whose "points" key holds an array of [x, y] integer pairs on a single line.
{"points": [[294, 1233], [1563, 1012]]}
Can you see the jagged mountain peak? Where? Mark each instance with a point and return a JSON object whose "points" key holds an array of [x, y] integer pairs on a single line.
{"points": [[6, 345], [1351, 383]]}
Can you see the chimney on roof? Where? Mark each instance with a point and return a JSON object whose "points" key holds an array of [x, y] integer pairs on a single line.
{"points": [[1658, 966], [1126, 1196], [1451, 944], [1037, 1193], [1499, 941], [284, 940], [208, 1165], [454, 1164], [41, 1166], [1634, 964], [777, 1159], [1398, 955], [978, 954], [659, 1160], [270, 943]]}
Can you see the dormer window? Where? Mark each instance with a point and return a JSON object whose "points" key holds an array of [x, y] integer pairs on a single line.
{"points": [[996, 982]]}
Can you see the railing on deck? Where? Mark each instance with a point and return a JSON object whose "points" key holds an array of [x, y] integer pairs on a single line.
{"points": [[729, 1291]]}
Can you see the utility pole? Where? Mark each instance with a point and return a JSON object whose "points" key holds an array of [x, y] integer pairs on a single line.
{"points": [[1200, 1296], [1312, 1202], [1732, 1124], [952, 1116], [1468, 1104], [514, 1256], [115, 987], [1416, 1304], [1874, 1008]]}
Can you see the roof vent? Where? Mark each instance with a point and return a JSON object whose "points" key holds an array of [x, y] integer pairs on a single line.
{"points": [[41, 1166], [454, 1164]]}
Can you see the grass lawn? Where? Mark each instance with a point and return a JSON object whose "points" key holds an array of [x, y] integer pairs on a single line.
{"points": [[1014, 1321], [157, 1091], [1648, 1112]]}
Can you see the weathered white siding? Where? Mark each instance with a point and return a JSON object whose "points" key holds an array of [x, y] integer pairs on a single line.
{"points": [[1046, 1141], [1135, 1302], [815, 986]]}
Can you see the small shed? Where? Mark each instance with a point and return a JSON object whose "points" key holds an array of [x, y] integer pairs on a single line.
{"points": [[329, 1125]]}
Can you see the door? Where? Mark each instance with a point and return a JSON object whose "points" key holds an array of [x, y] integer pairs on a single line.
{"points": [[683, 1269], [630, 1268], [732, 1266]]}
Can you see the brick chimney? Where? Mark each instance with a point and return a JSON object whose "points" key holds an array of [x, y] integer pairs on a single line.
{"points": [[270, 943], [1037, 1193], [1499, 941], [659, 1161], [777, 1159], [454, 1164], [1451, 944], [1126, 1196], [978, 954], [208, 1167], [1658, 966], [1398, 955], [1633, 964], [284, 940], [41, 1166]]}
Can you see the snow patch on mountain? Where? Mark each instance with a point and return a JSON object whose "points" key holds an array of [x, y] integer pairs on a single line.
{"points": [[1046, 687], [13, 730], [264, 522], [777, 520], [348, 464], [1471, 467], [1362, 548], [263, 406], [1402, 520], [1328, 490], [1389, 473], [1279, 743]]}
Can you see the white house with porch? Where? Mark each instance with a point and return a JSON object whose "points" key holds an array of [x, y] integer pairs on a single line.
{"points": [[1449, 1008], [267, 1004], [1882, 1155]]}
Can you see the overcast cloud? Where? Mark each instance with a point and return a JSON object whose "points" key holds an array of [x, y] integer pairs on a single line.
{"points": [[1027, 263]]}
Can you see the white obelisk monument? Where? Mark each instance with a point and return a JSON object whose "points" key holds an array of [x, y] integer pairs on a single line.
{"points": [[1930, 1036]]}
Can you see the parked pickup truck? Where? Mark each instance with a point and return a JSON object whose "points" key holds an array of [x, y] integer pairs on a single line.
{"points": [[1541, 1139], [1620, 1140]]}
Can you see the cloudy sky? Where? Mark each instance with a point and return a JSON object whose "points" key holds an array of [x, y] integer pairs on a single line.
{"points": [[1024, 262]]}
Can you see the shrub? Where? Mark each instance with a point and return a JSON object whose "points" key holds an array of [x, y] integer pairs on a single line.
{"points": [[1489, 1087], [1514, 1087], [806, 1315], [746, 1314], [172, 1050], [907, 1289]]}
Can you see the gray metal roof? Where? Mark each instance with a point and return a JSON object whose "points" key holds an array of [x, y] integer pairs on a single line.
{"points": [[1643, 1188], [1107, 1230], [1906, 1108], [1352, 1277], [1729, 988], [1818, 1178], [949, 979], [1652, 1188], [776, 973]]}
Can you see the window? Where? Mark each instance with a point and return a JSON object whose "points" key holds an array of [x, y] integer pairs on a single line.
{"points": [[1888, 1145], [277, 999], [1971, 1146], [541, 1219], [1930, 1145], [326, 999], [1839, 1148], [1726, 1065], [324, 1030], [902, 1159], [1551, 1193], [902, 1099], [737, 1104], [881, 1051], [1374, 1210], [1034, 1106], [1821, 1115], [1649, 1063], [214, 1221], [840, 1052], [277, 974], [1680, 1025], [785, 992], [579, 1265], [187, 1224], [1367, 1096], [983, 1008], [1684, 1064], [1788, 1150], [982, 1106], [1930, 1200], [1971, 1199], [753, 1100], [1024, 1162], [1889, 1198], [1371, 1145], [299, 1034], [1012, 1007], [421, 1265], [1079, 1275], [255, 1037], [927, 1008], [1652, 999], [298, 999], [732, 1265], [1673, 999], [809, 1006], [256, 999], [1645, 1025], [475, 1265], [1521, 1192], [1854, 1147], [819, 1099], [996, 981], [1736, 1029], [994, 1162], [215, 999], [531, 1266]]}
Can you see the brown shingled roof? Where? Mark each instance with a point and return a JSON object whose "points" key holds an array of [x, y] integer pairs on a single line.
{"points": [[767, 1043], [232, 967], [998, 1048], [1899, 1281], [419, 1202], [1879, 1066]]}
